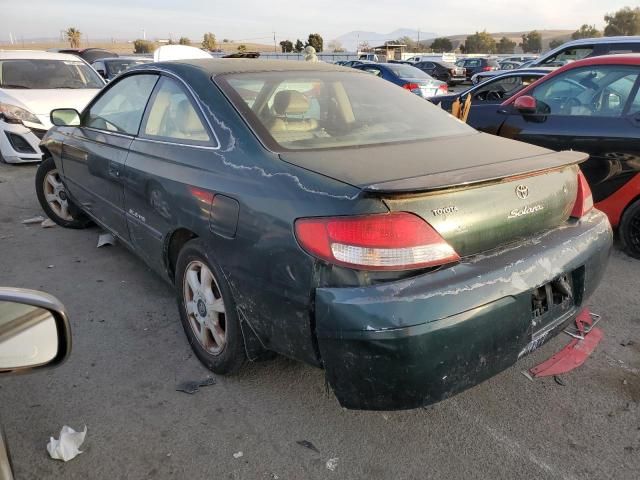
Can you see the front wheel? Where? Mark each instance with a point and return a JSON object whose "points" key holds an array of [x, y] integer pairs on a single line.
{"points": [[54, 199], [207, 310], [629, 229]]}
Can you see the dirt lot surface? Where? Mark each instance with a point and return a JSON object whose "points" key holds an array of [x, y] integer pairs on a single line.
{"points": [[130, 353]]}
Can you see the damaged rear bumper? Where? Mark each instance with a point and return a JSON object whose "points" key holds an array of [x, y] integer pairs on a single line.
{"points": [[417, 341]]}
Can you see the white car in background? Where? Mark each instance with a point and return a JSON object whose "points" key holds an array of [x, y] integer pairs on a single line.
{"points": [[32, 83]]}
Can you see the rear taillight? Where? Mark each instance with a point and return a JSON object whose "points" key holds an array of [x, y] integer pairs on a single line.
{"points": [[487, 69], [411, 86], [394, 241], [443, 88], [584, 199]]}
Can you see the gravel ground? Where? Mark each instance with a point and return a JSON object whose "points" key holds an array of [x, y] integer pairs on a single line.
{"points": [[130, 353]]}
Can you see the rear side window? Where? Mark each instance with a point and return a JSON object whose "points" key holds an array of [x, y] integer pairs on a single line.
{"points": [[568, 55], [121, 107], [317, 110], [172, 116]]}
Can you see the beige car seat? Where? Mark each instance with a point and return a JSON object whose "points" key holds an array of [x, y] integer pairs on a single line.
{"points": [[285, 128]]}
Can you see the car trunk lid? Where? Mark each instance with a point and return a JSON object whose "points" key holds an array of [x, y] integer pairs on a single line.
{"points": [[477, 198]]}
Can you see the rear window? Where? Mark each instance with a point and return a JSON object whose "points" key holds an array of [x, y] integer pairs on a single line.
{"points": [[319, 110], [407, 71]]}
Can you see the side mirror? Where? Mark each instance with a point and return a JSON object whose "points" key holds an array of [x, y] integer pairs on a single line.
{"points": [[102, 73], [65, 117], [34, 331], [526, 105]]}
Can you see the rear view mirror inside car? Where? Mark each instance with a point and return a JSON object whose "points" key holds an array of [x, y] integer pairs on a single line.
{"points": [[65, 117], [34, 331]]}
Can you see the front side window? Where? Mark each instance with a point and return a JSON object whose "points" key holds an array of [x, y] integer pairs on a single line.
{"points": [[172, 116], [503, 88], [116, 67], [568, 55], [121, 107], [599, 91], [373, 71], [48, 74], [317, 110]]}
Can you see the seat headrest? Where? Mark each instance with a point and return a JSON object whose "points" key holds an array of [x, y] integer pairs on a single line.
{"points": [[290, 102]]}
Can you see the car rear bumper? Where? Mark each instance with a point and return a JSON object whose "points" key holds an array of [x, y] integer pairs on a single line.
{"points": [[19, 144], [420, 340]]}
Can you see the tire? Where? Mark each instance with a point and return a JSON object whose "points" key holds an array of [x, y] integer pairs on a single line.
{"points": [[54, 199], [629, 229], [207, 310]]}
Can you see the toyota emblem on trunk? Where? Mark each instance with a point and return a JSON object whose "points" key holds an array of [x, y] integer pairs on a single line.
{"points": [[522, 191]]}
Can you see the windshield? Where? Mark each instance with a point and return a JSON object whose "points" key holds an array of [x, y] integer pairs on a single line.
{"points": [[407, 71], [316, 110], [115, 67], [46, 74]]}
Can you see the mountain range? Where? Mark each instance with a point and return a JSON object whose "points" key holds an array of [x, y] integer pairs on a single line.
{"points": [[350, 40]]}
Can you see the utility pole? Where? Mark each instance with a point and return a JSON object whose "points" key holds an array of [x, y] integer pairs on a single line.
{"points": [[418, 44], [275, 49]]}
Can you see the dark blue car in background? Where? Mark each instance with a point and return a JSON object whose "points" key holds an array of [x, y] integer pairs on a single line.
{"points": [[408, 77]]}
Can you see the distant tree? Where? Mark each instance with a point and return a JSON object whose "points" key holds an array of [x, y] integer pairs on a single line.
{"points": [[531, 42], [555, 43], [225, 40], [463, 48], [506, 46], [480, 42], [184, 41], [73, 37], [299, 46], [364, 46], [315, 40], [625, 21], [209, 41], [242, 48], [286, 46], [143, 46], [441, 44], [406, 40], [586, 31], [336, 47]]}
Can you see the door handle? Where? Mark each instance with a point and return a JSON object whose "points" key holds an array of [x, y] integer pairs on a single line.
{"points": [[635, 119], [114, 169]]}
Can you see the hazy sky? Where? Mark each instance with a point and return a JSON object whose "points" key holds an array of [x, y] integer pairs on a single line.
{"points": [[255, 20]]}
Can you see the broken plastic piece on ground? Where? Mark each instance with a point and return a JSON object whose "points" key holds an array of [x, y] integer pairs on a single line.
{"points": [[576, 352], [308, 444], [585, 321], [32, 220], [48, 223], [106, 239], [332, 463], [68, 446], [193, 387]]}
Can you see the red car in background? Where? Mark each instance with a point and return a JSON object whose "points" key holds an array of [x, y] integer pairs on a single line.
{"points": [[593, 106]]}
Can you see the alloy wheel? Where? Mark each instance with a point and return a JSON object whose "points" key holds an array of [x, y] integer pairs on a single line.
{"points": [[205, 307], [56, 195]]}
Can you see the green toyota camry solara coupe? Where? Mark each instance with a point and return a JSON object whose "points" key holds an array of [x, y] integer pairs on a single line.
{"points": [[329, 216]]}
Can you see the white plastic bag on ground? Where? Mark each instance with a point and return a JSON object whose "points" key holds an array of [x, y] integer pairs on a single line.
{"points": [[68, 446]]}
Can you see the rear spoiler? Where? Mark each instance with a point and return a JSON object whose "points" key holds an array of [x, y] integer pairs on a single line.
{"points": [[480, 174]]}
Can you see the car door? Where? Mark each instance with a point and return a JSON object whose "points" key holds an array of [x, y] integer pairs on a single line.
{"points": [[487, 97], [95, 153], [167, 161], [594, 109]]}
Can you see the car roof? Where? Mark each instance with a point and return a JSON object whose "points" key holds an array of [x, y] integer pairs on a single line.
{"points": [[36, 55], [600, 40], [123, 58], [219, 66]]}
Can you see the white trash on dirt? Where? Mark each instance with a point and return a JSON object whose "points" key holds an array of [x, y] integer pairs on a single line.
{"points": [[237, 455], [106, 239], [32, 220], [332, 463], [68, 446], [48, 223]]}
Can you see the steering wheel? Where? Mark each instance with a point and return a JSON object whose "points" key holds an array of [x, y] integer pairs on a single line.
{"points": [[569, 104], [493, 95]]}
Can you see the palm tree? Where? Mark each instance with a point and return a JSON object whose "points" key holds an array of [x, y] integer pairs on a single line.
{"points": [[73, 36]]}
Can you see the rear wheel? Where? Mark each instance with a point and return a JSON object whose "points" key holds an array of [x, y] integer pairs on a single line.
{"points": [[629, 229], [207, 310], [54, 199]]}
